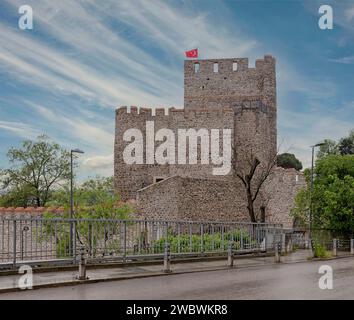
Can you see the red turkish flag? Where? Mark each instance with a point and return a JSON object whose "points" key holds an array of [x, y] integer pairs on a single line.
{"points": [[192, 53]]}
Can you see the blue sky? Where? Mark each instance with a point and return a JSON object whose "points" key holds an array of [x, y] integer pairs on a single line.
{"points": [[83, 59]]}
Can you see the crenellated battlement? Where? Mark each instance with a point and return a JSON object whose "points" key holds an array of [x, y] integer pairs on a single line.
{"points": [[219, 83], [168, 111], [225, 66], [219, 94]]}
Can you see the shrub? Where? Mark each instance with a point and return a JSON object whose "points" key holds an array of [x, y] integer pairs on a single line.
{"points": [[210, 242], [320, 251]]}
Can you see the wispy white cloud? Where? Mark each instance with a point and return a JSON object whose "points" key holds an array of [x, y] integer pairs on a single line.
{"points": [[120, 72], [177, 30], [82, 55], [115, 53], [90, 133], [290, 80], [349, 13], [99, 162], [20, 129], [42, 65], [344, 60], [298, 131]]}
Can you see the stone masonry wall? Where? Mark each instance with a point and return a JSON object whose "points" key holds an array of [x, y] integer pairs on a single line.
{"points": [[160, 200], [208, 89], [131, 177], [193, 199], [183, 198], [233, 96], [280, 190], [243, 101]]}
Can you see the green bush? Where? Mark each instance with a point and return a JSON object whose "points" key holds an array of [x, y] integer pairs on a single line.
{"points": [[208, 241], [320, 251]]}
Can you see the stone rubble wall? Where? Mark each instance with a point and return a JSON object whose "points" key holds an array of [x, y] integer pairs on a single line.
{"points": [[183, 198], [243, 99], [131, 177]]}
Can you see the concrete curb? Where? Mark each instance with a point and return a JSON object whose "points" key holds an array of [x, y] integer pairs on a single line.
{"points": [[125, 277], [159, 274], [132, 276], [73, 267]]}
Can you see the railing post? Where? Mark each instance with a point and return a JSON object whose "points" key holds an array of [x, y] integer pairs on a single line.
{"points": [[82, 265], [21, 243], [167, 259], [283, 248], [90, 239], [179, 236], [290, 244], [125, 242], [190, 239], [352, 246], [222, 238], [230, 258], [14, 244], [311, 248], [74, 242], [335, 246], [265, 239], [201, 238], [277, 252]]}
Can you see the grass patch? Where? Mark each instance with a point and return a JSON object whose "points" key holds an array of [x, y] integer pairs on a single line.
{"points": [[320, 251]]}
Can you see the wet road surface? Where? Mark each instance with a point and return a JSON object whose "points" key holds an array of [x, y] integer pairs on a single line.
{"points": [[282, 281]]}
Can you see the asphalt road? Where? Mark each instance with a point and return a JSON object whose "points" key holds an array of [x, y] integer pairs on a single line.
{"points": [[282, 281]]}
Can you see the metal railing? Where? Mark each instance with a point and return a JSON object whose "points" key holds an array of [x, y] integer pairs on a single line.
{"points": [[48, 240]]}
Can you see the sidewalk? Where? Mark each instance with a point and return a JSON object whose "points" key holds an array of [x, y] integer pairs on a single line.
{"points": [[61, 278]]}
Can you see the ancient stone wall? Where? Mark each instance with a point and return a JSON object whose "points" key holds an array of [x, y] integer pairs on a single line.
{"points": [[131, 177], [218, 94], [183, 198], [243, 100], [233, 84], [280, 190]]}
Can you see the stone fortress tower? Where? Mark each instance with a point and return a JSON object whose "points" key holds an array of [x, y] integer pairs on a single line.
{"points": [[218, 94]]}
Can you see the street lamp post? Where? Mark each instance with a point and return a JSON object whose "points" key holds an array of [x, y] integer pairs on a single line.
{"points": [[72, 198], [311, 187]]}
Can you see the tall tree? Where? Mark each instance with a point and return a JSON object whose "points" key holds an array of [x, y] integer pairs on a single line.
{"points": [[329, 147], [332, 195], [346, 145], [252, 175], [36, 167]]}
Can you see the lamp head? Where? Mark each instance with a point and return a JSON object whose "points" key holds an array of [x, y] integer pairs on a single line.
{"points": [[77, 151], [318, 145]]}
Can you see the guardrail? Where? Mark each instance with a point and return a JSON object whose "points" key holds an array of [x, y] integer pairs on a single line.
{"points": [[39, 240]]}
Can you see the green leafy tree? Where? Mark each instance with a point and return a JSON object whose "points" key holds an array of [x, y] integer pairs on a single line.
{"points": [[329, 147], [17, 196], [288, 160], [35, 169], [301, 210], [346, 145], [332, 196], [93, 199]]}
